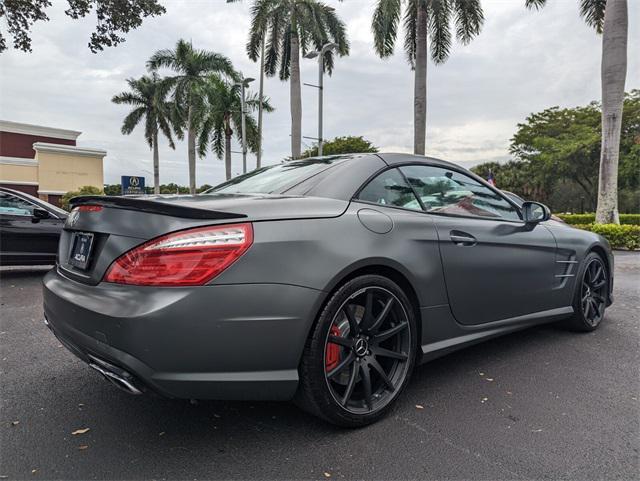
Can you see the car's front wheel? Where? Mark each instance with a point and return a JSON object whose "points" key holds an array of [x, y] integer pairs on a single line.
{"points": [[360, 354], [591, 295]]}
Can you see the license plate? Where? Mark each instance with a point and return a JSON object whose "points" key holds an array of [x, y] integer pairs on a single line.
{"points": [[81, 250]]}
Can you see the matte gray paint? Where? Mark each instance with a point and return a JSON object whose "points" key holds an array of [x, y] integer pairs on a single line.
{"points": [[242, 336]]}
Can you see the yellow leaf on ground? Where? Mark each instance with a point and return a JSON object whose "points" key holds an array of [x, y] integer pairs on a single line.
{"points": [[80, 431]]}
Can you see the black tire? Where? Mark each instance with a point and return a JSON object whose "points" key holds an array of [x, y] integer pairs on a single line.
{"points": [[356, 380], [591, 296]]}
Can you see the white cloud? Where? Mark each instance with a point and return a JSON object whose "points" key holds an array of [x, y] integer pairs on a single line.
{"points": [[523, 61]]}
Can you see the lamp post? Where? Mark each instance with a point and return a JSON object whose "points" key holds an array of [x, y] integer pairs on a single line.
{"points": [[320, 54], [244, 84]]}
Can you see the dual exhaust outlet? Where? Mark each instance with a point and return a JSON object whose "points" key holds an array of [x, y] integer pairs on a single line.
{"points": [[116, 376]]}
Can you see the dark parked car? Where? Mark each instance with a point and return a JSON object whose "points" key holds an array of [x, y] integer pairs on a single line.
{"points": [[324, 280], [29, 229]]}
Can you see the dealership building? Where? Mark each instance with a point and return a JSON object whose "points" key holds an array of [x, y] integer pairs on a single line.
{"points": [[46, 162]]}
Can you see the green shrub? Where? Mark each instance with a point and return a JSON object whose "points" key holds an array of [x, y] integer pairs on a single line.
{"points": [[619, 236], [85, 190], [626, 219]]}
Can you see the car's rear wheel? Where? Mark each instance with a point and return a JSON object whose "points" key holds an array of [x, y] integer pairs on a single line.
{"points": [[360, 355], [591, 295]]}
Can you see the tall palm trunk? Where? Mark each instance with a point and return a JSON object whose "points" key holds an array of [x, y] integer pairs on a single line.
{"points": [[614, 71], [156, 165], [191, 148], [260, 107], [227, 151], [420, 83], [296, 98]]}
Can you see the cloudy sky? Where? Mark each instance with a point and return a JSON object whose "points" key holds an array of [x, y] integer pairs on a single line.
{"points": [[522, 62]]}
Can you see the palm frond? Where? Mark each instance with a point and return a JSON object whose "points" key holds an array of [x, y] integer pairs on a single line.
{"points": [[128, 98], [273, 47], [593, 13], [410, 22], [285, 54], [150, 128], [469, 18], [537, 4], [132, 120], [384, 24], [439, 29], [162, 58], [217, 142], [261, 16], [164, 122]]}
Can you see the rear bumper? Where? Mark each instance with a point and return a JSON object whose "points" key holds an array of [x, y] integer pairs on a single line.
{"points": [[209, 342]]}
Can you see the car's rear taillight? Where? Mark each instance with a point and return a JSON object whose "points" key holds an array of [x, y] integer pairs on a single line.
{"points": [[185, 258]]}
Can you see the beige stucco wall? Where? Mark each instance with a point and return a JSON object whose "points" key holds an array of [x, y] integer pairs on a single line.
{"points": [[18, 173], [62, 172]]}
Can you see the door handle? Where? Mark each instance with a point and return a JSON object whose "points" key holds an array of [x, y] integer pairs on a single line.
{"points": [[462, 238]]}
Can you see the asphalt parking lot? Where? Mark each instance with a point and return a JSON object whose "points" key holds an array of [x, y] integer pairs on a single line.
{"points": [[538, 404]]}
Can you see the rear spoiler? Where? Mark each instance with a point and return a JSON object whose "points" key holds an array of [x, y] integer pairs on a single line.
{"points": [[152, 206]]}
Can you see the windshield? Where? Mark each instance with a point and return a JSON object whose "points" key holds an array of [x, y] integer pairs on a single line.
{"points": [[275, 178]]}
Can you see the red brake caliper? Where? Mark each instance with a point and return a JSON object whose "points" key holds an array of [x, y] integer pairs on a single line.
{"points": [[332, 356]]}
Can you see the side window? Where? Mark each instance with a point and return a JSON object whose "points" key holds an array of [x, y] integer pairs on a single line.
{"points": [[12, 205], [390, 188], [445, 191]]}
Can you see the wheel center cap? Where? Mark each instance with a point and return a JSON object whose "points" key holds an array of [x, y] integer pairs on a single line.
{"points": [[361, 347]]}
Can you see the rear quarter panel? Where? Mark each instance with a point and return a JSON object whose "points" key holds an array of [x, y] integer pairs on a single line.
{"points": [[319, 253]]}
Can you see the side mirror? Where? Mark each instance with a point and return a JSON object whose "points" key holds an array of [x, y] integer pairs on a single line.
{"points": [[534, 212], [39, 214]]}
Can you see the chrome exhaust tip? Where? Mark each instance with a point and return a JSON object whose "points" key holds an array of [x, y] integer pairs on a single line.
{"points": [[122, 380]]}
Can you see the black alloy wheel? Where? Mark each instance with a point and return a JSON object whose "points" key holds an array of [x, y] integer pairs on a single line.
{"points": [[363, 347], [593, 296]]}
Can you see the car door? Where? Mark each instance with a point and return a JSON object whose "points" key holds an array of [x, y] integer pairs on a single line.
{"points": [[26, 239], [496, 267]]}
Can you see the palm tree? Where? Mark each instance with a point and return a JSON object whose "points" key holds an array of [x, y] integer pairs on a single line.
{"points": [[288, 26], [192, 68], [425, 22], [611, 19], [148, 96], [224, 115]]}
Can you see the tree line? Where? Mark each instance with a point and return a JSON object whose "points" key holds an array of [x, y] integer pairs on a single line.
{"points": [[557, 156], [282, 30]]}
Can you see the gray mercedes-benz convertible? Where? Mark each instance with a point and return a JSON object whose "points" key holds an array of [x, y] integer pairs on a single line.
{"points": [[323, 280]]}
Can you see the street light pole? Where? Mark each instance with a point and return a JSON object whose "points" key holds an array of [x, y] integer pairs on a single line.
{"points": [[320, 54], [320, 99], [244, 133]]}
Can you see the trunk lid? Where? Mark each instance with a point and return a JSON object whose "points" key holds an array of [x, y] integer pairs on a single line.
{"points": [[125, 222]]}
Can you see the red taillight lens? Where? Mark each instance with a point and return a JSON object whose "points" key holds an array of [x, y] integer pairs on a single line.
{"points": [[185, 258], [89, 208]]}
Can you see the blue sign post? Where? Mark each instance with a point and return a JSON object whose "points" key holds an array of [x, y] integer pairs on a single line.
{"points": [[132, 185]]}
